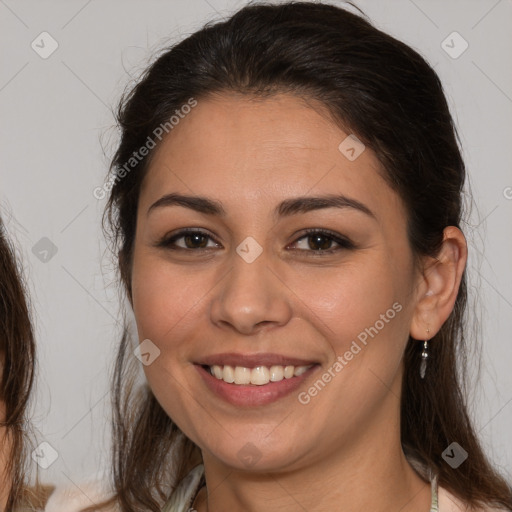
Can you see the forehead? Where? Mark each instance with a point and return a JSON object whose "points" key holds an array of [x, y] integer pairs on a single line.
{"points": [[242, 149]]}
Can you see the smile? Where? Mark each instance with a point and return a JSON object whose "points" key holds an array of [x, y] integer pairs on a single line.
{"points": [[258, 376], [254, 384]]}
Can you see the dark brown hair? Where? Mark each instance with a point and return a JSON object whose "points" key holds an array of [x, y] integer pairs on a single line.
{"points": [[385, 93], [17, 348]]}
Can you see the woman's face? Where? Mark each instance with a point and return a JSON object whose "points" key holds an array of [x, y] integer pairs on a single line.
{"points": [[256, 284]]}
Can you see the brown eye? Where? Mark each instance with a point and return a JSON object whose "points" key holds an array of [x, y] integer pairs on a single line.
{"points": [[320, 241], [192, 240]]}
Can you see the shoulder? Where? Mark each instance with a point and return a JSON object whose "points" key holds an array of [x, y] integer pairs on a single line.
{"points": [[74, 498], [448, 502]]}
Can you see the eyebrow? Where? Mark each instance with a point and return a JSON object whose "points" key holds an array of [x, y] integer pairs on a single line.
{"points": [[286, 208]]}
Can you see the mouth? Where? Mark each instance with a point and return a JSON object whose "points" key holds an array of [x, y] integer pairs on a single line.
{"points": [[252, 380], [257, 376]]}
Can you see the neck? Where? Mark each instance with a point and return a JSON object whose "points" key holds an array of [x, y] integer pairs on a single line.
{"points": [[368, 473]]}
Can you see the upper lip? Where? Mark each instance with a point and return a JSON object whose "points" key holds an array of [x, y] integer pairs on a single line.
{"points": [[253, 360]]}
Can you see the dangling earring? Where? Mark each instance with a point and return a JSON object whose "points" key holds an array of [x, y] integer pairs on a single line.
{"points": [[424, 357]]}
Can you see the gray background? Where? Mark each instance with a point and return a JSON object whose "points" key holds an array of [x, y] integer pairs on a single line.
{"points": [[55, 111]]}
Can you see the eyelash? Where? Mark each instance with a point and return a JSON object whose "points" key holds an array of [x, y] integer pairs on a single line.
{"points": [[344, 243]]}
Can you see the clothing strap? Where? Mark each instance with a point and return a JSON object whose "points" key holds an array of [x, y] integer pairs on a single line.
{"points": [[186, 492], [434, 503], [201, 484]]}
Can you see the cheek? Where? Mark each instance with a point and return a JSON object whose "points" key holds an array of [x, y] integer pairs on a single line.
{"points": [[163, 305], [362, 315], [345, 300], [361, 312], [162, 296]]}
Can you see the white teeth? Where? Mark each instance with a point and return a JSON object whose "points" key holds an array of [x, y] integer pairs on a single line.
{"points": [[242, 375], [300, 370], [276, 373], [258, 376], [228, 374], [217, 371], [288, 372]]}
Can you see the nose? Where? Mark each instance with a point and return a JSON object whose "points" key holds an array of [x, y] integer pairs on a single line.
{"points": [[251, 297]]}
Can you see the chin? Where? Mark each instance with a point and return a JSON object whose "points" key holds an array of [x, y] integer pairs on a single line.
{"points": [[248, 454]]}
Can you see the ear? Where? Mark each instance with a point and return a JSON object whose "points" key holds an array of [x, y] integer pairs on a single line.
{"points": [[439, 285]]}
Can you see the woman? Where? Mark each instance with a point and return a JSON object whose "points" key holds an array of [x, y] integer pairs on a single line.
{"points": [[17, 359], [286, 206]]}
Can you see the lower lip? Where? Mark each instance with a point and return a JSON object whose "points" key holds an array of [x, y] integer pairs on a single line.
{"points": [[252, 395]]}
